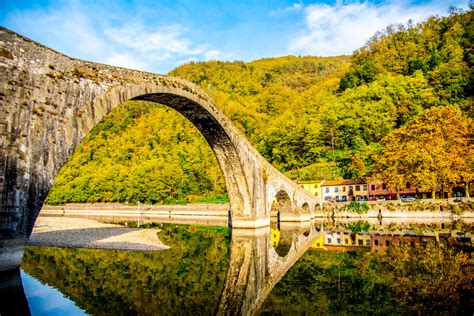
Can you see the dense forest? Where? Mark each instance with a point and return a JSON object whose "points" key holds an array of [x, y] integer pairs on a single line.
{"points": [[311, 117]]}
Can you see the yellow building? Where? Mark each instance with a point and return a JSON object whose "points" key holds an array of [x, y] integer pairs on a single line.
{"points": [[312, 186]]}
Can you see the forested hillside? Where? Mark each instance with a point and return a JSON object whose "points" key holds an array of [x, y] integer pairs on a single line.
{"points": [[311, 117]]}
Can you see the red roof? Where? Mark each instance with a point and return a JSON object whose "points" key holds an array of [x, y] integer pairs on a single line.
{"points": [[343, 182]]}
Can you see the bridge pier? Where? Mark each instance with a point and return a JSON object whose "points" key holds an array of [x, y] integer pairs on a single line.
{"points": [[11, 252], [244, 223]]}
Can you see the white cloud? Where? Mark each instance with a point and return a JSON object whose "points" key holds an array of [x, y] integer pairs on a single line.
{"points": [[166, 39], [341, 28], [125, 60], [293, 8], [68, 29]]}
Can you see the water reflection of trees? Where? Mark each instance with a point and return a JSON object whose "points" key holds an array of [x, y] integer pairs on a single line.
{"points": [[186, 279], [404, 278], [424, 279]]}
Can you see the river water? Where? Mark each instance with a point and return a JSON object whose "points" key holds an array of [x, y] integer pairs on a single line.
{"points": [[313, 268]]}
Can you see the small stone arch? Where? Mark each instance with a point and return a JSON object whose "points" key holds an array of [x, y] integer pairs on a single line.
{"points": [[317, 208], [281, 202], [305, 207]]}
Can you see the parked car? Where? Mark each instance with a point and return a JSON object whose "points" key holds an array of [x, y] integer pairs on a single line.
{"points": [[457, 199], [407, 198], [380, 198], [341, 199]]}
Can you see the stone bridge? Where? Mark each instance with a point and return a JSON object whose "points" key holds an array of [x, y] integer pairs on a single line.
{"points": [[49, 102]]}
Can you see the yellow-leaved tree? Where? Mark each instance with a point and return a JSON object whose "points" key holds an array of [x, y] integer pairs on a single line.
{"points": [[430, 152]]}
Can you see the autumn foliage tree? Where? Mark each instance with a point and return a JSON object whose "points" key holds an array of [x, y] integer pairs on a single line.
{"points": [[429, 152], [356, 167]]}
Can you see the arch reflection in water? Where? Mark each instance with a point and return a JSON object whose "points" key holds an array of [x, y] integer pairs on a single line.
{"points": [[256, 267]]}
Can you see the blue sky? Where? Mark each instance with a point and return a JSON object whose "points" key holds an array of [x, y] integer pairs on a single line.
{"points": [[158, 35]]}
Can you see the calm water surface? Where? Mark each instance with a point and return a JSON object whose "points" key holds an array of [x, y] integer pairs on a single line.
{"points": [[347, 268]]}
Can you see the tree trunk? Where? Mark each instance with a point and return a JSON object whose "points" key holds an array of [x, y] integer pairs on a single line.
{"points": [[467, 189], [398, 194], [433, 194]]}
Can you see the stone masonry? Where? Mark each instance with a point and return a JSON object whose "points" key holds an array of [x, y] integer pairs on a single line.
{"points": [[48, 104]]}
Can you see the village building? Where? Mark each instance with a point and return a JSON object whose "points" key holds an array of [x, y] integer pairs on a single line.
{"points": [[312, 186], [344, 190]]}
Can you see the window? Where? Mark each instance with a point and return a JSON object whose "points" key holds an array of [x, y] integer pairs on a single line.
{"points": [[327, 190], [408, 185], [365, 187], [357, 187], [387, 243], [384, 186], [372, 187], [367, 242], [376, 242], [336, 189], [343, 189], [315, 186], [339, 240], [412, 243], [351, 188], [329, 240], [360, 242]]}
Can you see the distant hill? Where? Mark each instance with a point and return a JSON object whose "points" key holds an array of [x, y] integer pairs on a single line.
{"points": [[308, 116]]}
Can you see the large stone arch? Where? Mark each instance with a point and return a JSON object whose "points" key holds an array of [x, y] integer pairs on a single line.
{"points": [[49, 102]]}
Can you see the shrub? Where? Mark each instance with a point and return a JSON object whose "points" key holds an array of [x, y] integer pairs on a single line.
{"points": [[359, 208]]}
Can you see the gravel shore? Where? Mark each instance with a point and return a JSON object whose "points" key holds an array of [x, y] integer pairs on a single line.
{"points": [[88, 233]]}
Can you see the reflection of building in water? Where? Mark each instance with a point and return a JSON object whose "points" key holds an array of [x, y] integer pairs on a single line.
{"points": [[318, 243], [362, 239], [275, 237], [381, 242], [342, 241]]}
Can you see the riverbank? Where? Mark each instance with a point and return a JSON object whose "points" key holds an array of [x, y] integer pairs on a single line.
{"points": [[88, 233], [216, 214]]}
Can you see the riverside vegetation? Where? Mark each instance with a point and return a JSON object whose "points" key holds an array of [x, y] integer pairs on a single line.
{"points": [[311, 117]]}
